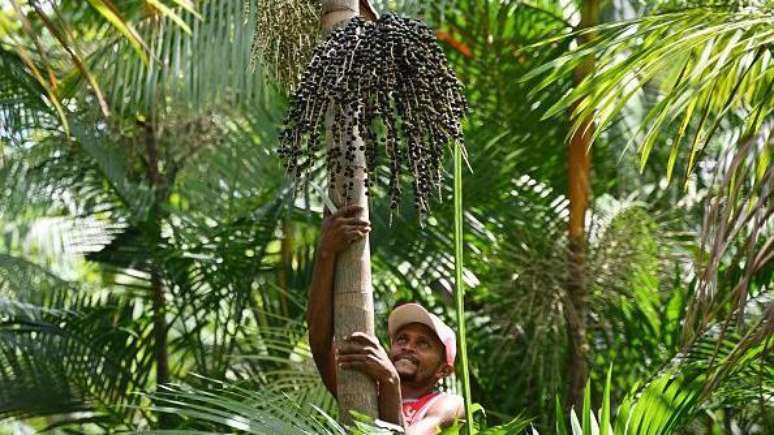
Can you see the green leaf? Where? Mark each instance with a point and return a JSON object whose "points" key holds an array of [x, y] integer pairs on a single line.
{"points": [[112, 14], [587, 417], [561, 425], [605, 422], [168, 12], [189, 6]]}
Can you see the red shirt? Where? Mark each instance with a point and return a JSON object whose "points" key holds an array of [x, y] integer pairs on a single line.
{"points": [[416, 409]]}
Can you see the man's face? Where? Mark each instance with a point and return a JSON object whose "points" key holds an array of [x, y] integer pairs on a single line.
{"points": [[418, 354]]}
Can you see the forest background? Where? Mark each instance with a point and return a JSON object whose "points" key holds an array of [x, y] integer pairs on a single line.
{"points": [[150, 236]]}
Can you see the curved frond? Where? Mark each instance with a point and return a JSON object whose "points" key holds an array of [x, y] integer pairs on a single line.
{"points": [[23, 105], [64, 351], [718, 359], [712, 66], [234, 408], [189, 72]]}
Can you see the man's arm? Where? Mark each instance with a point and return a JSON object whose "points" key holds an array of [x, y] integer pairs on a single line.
{"points": [[319, 318], [338, 231], [390, 401], [443, 413]]}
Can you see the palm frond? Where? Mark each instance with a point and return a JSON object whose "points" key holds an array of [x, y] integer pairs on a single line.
{"points": [[738, 223], [113, 166], [196, 72], [23, 105], [67, 24], [228, 406], [717, 359], [28, 290], [86, 174], [712, 66], [63, 350]]}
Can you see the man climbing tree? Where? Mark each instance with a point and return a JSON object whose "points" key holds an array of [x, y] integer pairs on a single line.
{"points": [[372, 83], [422, 347]]}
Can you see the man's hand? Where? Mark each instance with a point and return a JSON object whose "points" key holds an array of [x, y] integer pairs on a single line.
{"points": [[341, 229], [363, 352]]}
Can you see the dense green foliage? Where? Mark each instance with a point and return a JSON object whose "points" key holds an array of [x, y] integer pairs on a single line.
{"points": [[149, 233]]}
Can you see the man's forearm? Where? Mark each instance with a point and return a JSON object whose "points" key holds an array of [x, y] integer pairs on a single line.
{"points": [[390, 403], [319, 314]]}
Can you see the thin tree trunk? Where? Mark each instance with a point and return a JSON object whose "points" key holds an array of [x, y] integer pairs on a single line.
{"points": [[353, 294], [159, 328], [286, 266], [158, 304], [579, 169]]}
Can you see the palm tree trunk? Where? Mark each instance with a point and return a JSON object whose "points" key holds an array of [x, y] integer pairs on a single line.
{"points": [[158, 303], [579, 170], [353, 303], [285, 268], [159, 328]]}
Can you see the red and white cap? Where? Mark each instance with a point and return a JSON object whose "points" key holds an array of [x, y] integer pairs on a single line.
{"points": [[415, 313]]}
